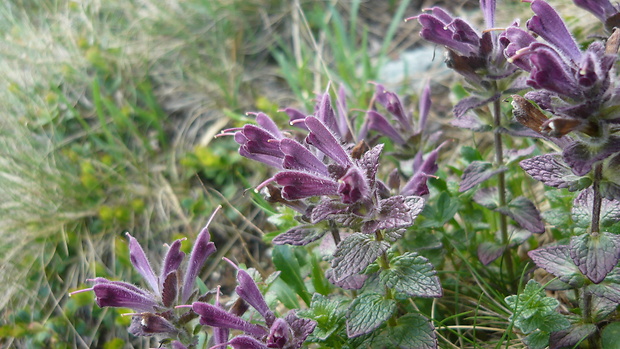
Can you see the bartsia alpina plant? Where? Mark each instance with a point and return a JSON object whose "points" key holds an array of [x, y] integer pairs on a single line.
{"points": [[155, 313]]}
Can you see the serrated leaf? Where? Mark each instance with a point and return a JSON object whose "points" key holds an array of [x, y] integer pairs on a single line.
{"points": [[489, 251], [537, 340], [399, 211], [355, 253], [351, 282], [571, 336], [582, 210], [413, 275], [606, 290], [413, 331], [523, 211], [557, 261], [328, 314], [300, 235], [610, 335], [595, 255], [553, 171], [478, 172], [368, 312]]}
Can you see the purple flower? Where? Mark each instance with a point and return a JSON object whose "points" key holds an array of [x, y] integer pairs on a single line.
{"points": [[285, 333], [475, 55], [155, 307], [604, 10]]}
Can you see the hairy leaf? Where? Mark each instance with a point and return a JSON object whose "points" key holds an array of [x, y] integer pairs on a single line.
{"points": [[571, 336], [399, 211], [327, 313], [413, 275], [553, 171], [523, 211], [478, 172], [352, 282], [300, 235], [537, 340], [487, 197], [582, 210], [355, 253], [557, 261], [595, 255], [367, 312], [413, 331], [489, 251]]}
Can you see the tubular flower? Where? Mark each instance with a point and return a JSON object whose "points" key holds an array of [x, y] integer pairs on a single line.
{"points": [[285, 333], [604, 10], [154, 308]]}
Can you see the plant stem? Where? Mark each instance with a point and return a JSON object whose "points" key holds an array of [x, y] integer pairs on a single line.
{"points": [[501, 186], [594, 339], [335, 232], [385, 264]]}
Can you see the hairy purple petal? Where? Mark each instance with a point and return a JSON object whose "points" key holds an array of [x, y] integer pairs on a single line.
{"points": [[246, 342], [118, 296], [380, 124], [172, 261], [434, 30], [279, 334], [249, 292], [323, 139], [202, 249], [488, 8], [148, 324], [211, 315], [325, 113], [550, 72], [141, 263], [549, 25], [295, 115], [425, 105], [298, 157], [128, 286], [301, 185], [515, 39], [267, 123]]}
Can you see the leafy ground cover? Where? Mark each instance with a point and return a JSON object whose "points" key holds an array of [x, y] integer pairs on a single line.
{"points": [[353, 207]]}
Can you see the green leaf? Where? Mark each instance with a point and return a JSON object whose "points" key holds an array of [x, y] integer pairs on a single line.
{"points": [[413, 331], [328, 314], [610, 336], [355, 253], [532, 310], [368, 312], [413, 275], [285, 260], [537, 340]]}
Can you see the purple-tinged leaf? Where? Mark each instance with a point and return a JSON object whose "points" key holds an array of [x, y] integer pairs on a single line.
{"points": [[581, 158], [367, 312], [355, 253], [607, 290], [301, 328], [610, 190], [413, 275], [148, 324], [246, 342], [380, 124], [398, 211], [300, 235], [549, 25], [478, 172], [602, 307], [571, 336], [582, 210], [141, 263], [301, 185], [413, 331], [595, 255], [324, 140], [557, 261], [173, 259], [523, 211], [118, 296], [487, 197], [327, 208], [553, 171], [469, 103], [210, 315], [489, 251], [471, 122], [353, 187], [202, 249], [370, 161], [298, 157], [353, 282]]}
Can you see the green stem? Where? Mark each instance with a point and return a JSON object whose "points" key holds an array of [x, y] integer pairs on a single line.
{"points": [[335, 232], [594, 340], [501, 186]]}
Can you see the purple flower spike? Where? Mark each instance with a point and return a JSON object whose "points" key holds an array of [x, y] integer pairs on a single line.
{"points": [[249, 292], [141, 263], [203, 248], [353, 186], [211, 315], [323, 139], [549, 25], [298, 157], [115, 295], [551, 73]]}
